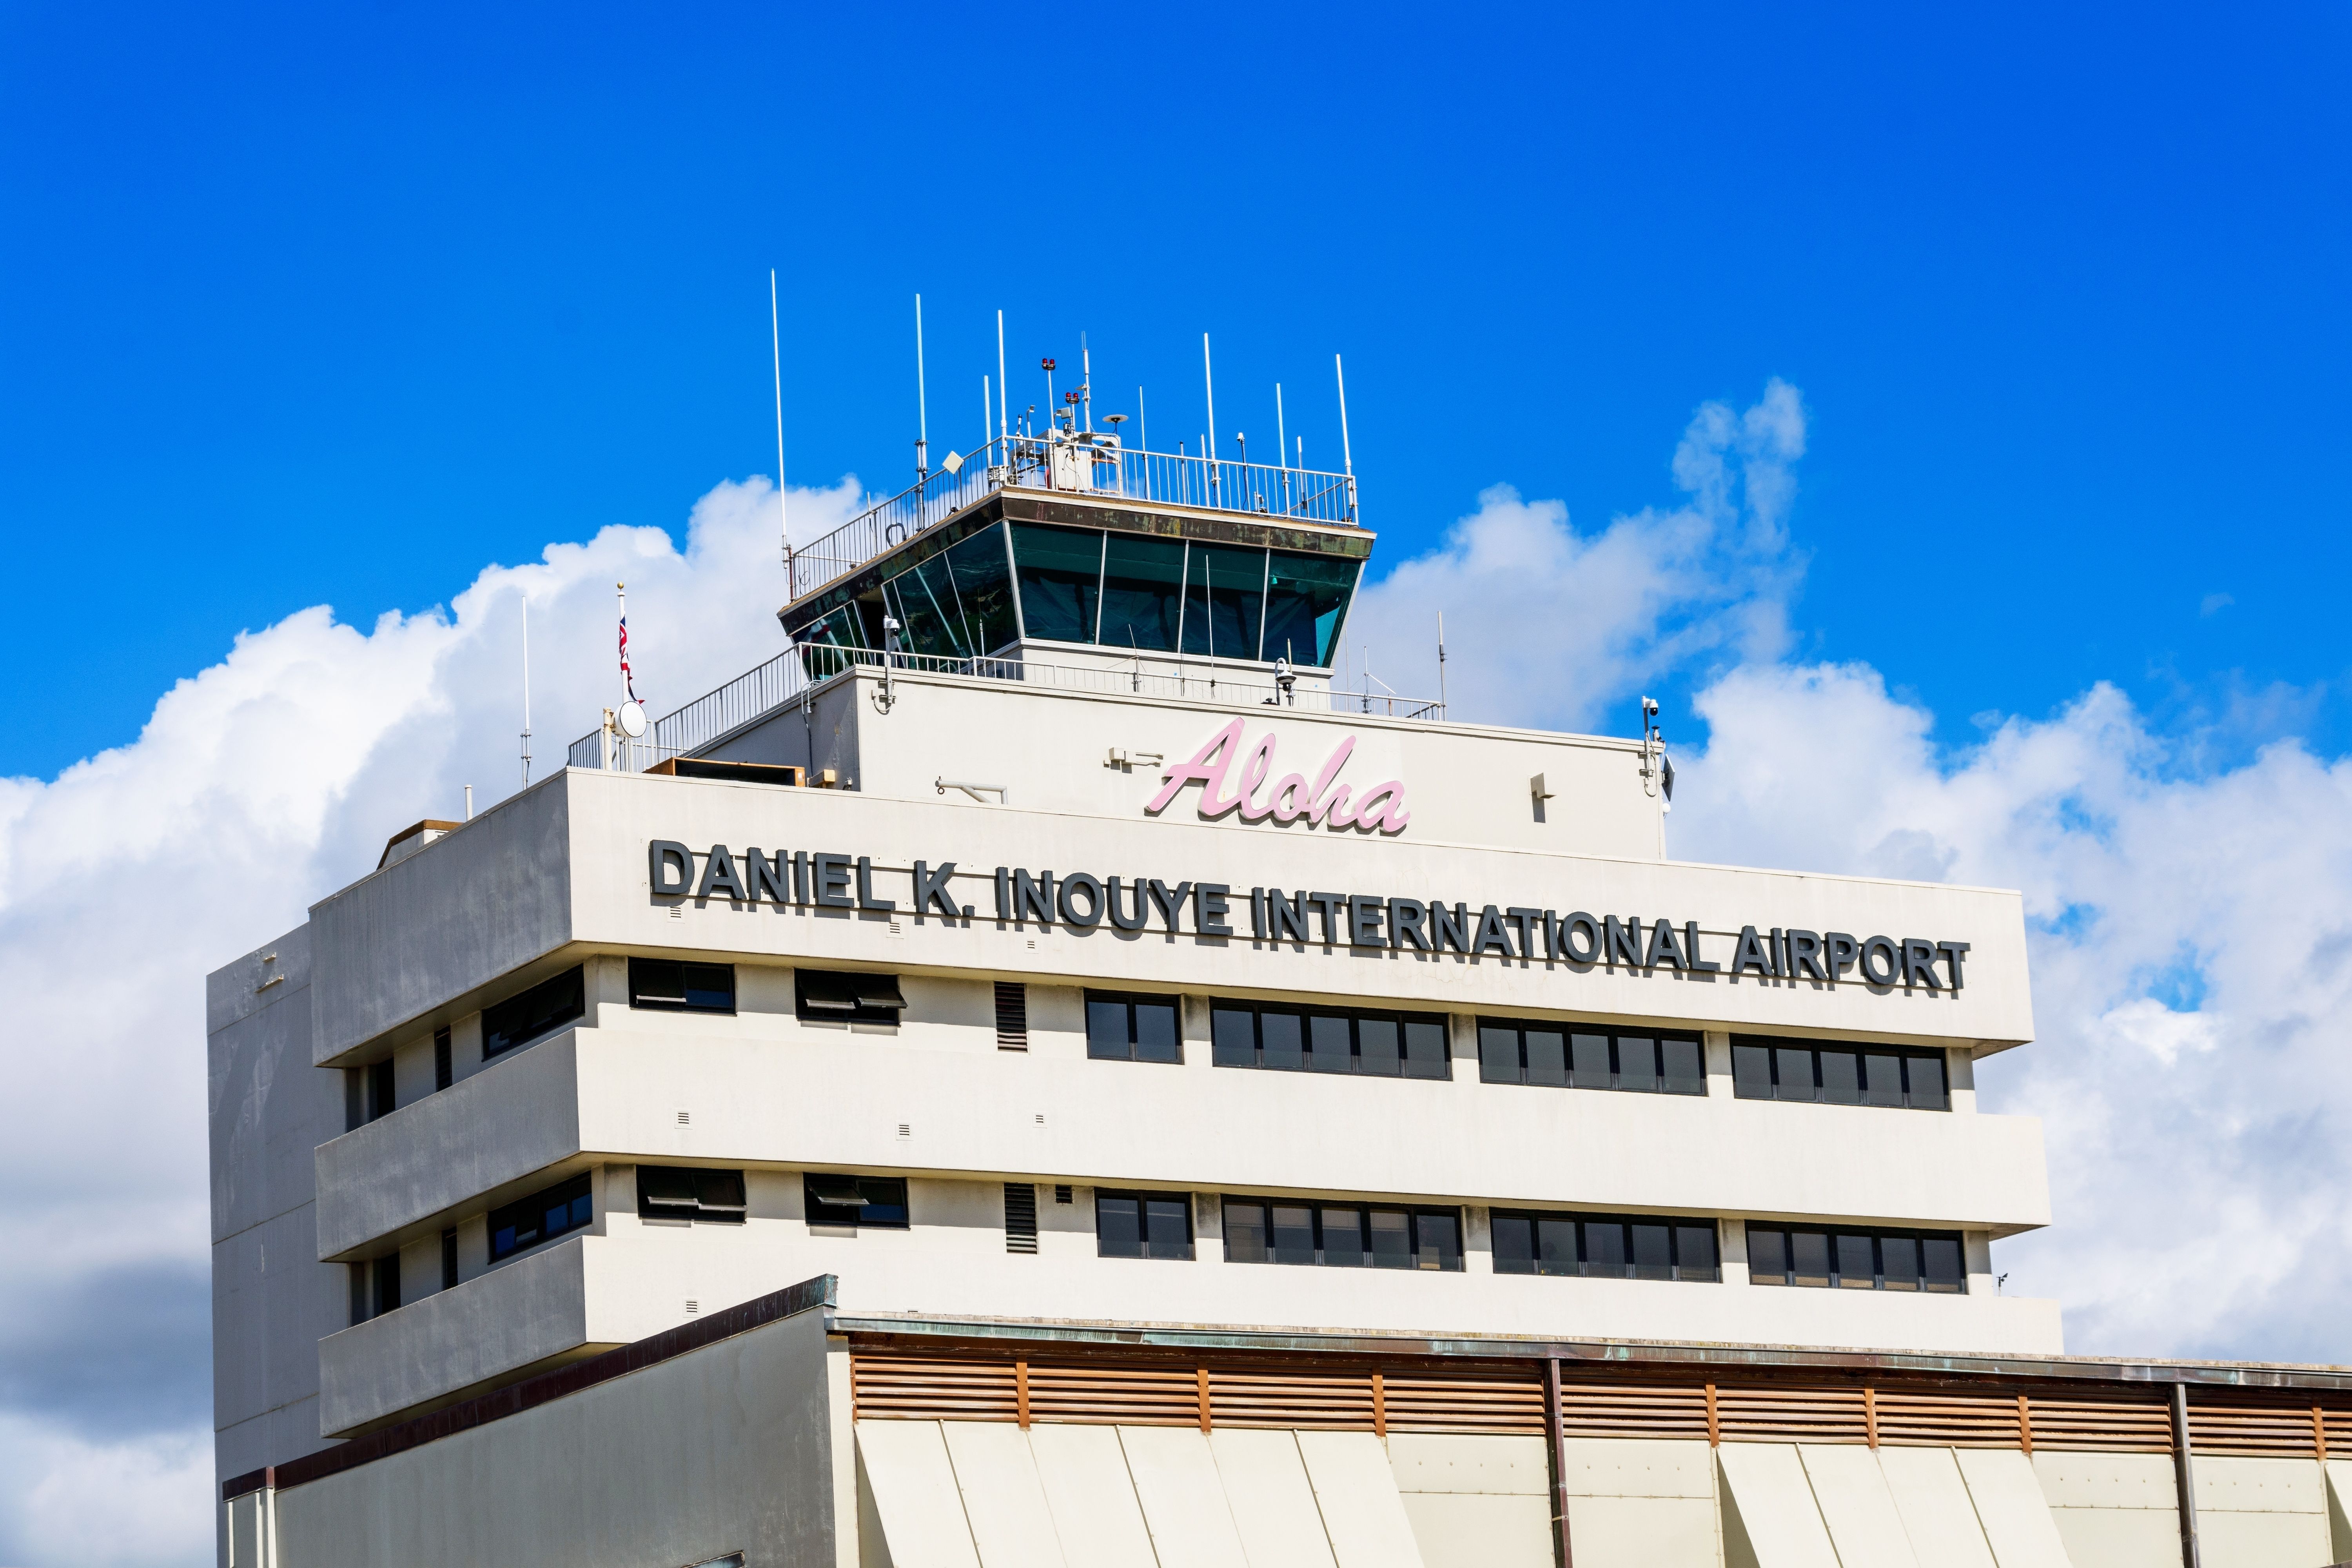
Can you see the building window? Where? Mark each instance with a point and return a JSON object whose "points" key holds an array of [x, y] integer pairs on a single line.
{"points": [[1605, 1246], [868, 1203], [448, 1260], [546, 1006], [1766, 1068], [1143, 1225], [444, 1069], [542, 1216], [690, 1191], [1925, 1260], [1513, 1050], [1342, 1235], [824, 997], [1021, 1216], [669, 985], [1012, 1015], [387, 1284], [380, 1097], [1132, 1028], [1309, 1039]]}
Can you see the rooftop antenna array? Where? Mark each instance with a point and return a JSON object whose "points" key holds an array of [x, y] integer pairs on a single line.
{"points": [[776, 349], [922, 410]]}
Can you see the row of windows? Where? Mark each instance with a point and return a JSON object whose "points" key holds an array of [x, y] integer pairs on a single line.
{"points": [[1342, 1235], [1605, 1246], [1146, 1028], [1857, 1261]]}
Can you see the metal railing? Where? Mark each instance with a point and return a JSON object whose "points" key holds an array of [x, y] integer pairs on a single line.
{"points": [[1078, 464], [779, 682]]}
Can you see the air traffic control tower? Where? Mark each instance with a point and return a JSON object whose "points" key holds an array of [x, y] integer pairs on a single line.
{"points": [[1042, 1074]]}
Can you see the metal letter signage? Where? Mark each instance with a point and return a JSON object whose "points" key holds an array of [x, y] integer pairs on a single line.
{"points": [[1323, 803]]}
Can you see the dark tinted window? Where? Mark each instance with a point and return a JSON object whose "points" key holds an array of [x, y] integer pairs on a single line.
{"points": [[1306, 605], [1132, 1028], [543, 1215], [546, 1006], [1604, 1247], [1342, 1235], [1857, 1261], [1143, 592], [1060, 573], [672, 985], [1340, 1040], [1143, 1225], [958, 604], [1225, 600], [871, 1202], [1513, 1051], [821, 995], [1766, 1068], [690, 1191]]}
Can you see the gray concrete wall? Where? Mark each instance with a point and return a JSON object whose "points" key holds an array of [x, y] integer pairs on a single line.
{"points": [[726, 1449], [462, 913]]}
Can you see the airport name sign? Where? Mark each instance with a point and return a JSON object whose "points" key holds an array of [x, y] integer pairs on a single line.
{"points": [[1080, 900]]}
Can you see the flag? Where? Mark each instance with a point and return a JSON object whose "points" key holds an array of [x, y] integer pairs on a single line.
{"points": [[628, 679]]}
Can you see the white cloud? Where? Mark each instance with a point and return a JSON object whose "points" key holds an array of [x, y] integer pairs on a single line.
{"points": [[1546, 624], [257, 786], [2192, 969]]}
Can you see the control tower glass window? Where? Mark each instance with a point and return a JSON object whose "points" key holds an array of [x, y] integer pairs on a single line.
{"points": [[1060, 573], [1306, 605], [1143, 591], [1225, 600], [958, 604]]}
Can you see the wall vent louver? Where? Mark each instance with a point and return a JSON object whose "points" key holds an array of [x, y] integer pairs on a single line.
{"points": [[1012, 1015], [1019, 1216]]}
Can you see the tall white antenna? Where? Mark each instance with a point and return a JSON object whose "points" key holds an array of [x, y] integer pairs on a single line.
{"points": [[776, 346], [1281, 436], [1142, 423], [1004, 387], [922, 409], [1086, 383], [526, 691], [1347, 454], [1209, 445], [987, 410]]}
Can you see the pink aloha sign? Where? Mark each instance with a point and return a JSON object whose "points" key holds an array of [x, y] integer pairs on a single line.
{"points": [[1324, 803]]}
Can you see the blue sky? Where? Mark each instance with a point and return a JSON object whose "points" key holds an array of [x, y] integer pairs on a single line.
{"points": [[305, 308]]}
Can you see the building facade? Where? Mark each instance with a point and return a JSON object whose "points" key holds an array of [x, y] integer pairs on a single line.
{"points": [[1039, 1074]]}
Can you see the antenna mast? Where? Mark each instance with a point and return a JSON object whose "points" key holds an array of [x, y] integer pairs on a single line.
{"points": [[1004, 387], [1441, 662], [1348, 457], [776, 346], [922, 411], [526, 691], [1142, 423], [1209, 443], [1086, 383]]}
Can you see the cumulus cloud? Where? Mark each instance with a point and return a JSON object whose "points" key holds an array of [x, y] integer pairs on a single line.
{"points": [[1666, 588], [255, 787], [2192, 970]]}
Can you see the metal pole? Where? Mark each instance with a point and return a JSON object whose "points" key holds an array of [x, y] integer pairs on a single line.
{"points": [[776, 344], [1086, 383], [1441, 662], [922, 413], [1142, 423], [2183, 1477], [1552, 1418], [526, 691], [1004, 387], [1209, 442]]}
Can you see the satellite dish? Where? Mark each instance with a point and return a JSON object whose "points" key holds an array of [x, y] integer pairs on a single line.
{"points": [[633, 721]]}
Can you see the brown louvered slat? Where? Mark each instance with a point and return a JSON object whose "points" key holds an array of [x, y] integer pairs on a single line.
{"points": [[2252, 1430], [1418, 1402], [1337, 1400], [1166, 1396], [2102, 1426], [2335, 1423], [925, 1390], [1653, 1410], [1765, 1415]]}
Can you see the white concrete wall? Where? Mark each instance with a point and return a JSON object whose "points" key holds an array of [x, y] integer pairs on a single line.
{"points": [[2114, 1511], [1476, 1501], [730, 1448], [2263, 1513]]}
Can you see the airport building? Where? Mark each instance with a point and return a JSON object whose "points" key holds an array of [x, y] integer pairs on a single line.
{"points": [[1041, 1073]]}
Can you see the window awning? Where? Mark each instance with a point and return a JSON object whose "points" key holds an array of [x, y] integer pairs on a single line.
{"points": [[826, 992]]}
